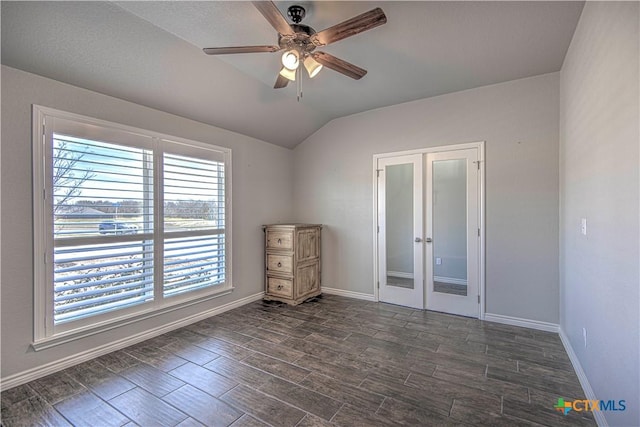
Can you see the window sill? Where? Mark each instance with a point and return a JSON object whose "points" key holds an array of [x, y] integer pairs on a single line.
{"points": [[76, 334]]}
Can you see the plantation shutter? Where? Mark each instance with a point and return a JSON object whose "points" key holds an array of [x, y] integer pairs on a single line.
{"points": [[194, 222], [102, 226], [128, 224]]}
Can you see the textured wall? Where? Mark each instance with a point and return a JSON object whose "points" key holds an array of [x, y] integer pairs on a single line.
{"points": [[599, 151]]}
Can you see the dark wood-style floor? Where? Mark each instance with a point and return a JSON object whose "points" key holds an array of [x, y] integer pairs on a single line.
{"points": [[332, 361]]}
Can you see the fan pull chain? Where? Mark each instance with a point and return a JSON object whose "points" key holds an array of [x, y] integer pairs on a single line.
{"points": [[299, 84]]}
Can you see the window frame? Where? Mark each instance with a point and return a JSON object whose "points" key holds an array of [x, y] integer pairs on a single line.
{"points": [[45, 333]]}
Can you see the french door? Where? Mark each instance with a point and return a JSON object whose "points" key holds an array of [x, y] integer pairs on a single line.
{"points": [[452, 227], [428, 230], [400, 207]]}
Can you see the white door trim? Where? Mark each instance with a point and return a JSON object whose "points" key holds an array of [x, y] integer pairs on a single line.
{"points": [[481, 211]]}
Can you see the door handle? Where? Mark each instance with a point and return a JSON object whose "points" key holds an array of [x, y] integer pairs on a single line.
{"points": [[418, 240], [428, 240]]}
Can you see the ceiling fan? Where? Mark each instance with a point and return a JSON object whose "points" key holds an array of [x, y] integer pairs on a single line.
{"points": [[299, 41]]}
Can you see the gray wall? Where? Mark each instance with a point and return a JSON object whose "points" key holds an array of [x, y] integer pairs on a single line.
{"points": [[262, 193], [599, 138], [519, 122]]}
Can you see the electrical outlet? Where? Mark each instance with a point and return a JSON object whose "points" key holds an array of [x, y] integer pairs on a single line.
{"points": [[584, 335], [438, 261]]}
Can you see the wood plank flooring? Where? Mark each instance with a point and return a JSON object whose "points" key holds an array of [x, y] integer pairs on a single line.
{"points": [[331, 361]]}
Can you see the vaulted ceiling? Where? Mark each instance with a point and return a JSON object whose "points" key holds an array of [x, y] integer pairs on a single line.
{"points": [[150, 53]]}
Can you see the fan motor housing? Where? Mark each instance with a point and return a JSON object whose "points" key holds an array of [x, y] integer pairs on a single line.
{"points": [[300, 40]]}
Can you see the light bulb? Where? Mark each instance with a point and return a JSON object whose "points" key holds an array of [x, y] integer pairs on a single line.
{"points": [[291, 59]]}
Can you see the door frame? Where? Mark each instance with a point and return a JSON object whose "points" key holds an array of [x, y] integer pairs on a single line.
{"points": [[481, 212]]}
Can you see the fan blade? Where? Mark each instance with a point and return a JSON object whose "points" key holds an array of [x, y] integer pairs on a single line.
{"points": [[270, 11], [239, 49], [350, 27], [337, 64], [281, 82]]}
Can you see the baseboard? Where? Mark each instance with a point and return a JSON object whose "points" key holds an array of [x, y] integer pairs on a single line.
{"points": [[52, 367], [349, 294], [582, 377], [400, 274], [525, 323], [450, 280]]}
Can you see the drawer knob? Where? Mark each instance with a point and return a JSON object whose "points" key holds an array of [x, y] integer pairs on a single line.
{"points": [[279, 241], [279, 287], [279, 264]]}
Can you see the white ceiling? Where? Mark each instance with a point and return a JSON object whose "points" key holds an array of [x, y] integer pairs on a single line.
{"points": [[150, 53]]}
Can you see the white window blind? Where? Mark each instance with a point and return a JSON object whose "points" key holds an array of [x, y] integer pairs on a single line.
{"points": [[193, 210], [101, 193], [93, 279], [131, 221]]}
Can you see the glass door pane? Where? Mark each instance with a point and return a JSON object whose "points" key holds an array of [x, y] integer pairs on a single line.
{"points": [[450, 226], [399, 225]]}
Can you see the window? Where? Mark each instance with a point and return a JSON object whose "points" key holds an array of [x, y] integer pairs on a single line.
{"points": [[130, 223]]}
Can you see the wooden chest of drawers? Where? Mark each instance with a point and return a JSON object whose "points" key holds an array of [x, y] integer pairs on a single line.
{"points": [[292, 262]]}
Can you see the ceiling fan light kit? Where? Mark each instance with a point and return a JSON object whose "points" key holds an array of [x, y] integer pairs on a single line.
{"points": [[300, 41], [291, 59], [313, 67], [288, 73]]}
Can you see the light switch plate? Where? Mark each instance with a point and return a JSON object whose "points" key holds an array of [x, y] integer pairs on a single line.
{"points": [[583, 226]]}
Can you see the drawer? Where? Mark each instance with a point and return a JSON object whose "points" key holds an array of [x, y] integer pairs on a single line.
{"points": [[280, 287], [280, 263], [280, 239]]}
